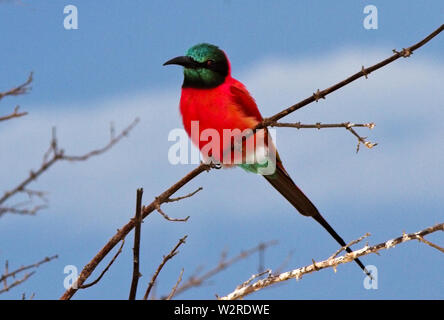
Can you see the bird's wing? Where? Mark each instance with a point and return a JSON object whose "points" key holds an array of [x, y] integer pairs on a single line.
{"points": [[243, 99], [245, 102]]}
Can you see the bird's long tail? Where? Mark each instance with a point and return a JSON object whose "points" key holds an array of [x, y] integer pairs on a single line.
{"points": [[282, 182]]}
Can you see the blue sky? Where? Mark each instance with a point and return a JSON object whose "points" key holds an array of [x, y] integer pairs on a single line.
{"points": [[110, 70]]}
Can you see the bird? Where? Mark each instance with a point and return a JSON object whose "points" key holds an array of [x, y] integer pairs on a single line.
{"points": [[216, 101]]}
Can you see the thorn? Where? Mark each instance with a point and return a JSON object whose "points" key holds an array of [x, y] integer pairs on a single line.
{"points": [[364, 72], [317, 95], [404, 52], [314, 265]]}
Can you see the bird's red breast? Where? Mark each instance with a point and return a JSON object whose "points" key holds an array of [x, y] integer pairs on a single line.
{"points": [[227, 106]]}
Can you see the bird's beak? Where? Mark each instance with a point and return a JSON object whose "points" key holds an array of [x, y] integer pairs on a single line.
{"points": [[184, 61]]}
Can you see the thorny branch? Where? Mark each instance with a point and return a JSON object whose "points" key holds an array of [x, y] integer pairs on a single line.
{"points": [[332, 262], [159, 268], [347, 125], [163, 214], [12, 274], [89, 268]]}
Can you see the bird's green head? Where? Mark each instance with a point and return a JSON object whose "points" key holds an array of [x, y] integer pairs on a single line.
{"points": [[205, 66]]}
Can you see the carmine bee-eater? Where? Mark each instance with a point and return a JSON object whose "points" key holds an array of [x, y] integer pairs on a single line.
{"points": [[216, 101]]}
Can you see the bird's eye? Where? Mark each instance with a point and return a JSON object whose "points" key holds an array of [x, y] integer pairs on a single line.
{"points": [[210, 63]]}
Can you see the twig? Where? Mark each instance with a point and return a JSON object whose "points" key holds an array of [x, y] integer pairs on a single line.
{"points": [[110, 144], [254, 276], [347, 125], [89, 268], [21, 89], [158, 203], [122, 232], [363, 73], [84, 286], [173, 291], [196, 281], [7, 274], [15, 114], [59, 155], [421, 239], [320, 125], [17, 282], [349, 245], [15, 210], [136, 248], [163, 214], [159, 268], [243, 291], [23, 268], [183, 197]]}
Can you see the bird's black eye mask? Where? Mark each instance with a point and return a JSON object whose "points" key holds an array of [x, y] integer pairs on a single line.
{"points": [[221, 67]]}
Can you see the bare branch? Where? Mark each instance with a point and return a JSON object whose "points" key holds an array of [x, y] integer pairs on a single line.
{"points": [[58, 155], [110, 144], [173, 291], [122, 232], [29, 211], [136, 248], [349, 245], [12, 274], [15, 114], [84, 286], [196, 281], [21, 89], [159, 268], [17, 282], [183, 197], [363, 73], [347, 125], [332, 262], [163, 214], [421, 239]]}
